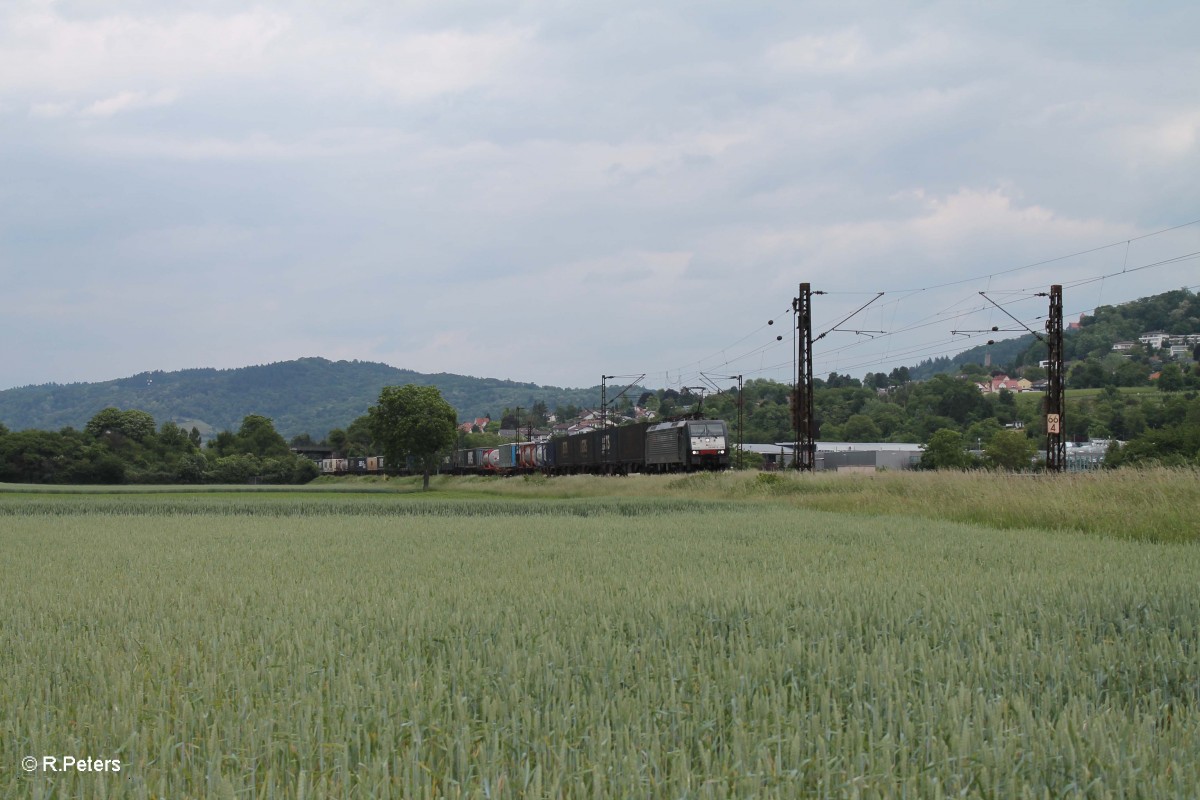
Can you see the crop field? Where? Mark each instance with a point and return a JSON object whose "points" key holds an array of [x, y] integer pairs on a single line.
{"points": [[710, 638]]}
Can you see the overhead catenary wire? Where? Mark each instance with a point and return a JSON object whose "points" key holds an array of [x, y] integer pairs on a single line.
{"points": [[1053, 260], [892, 354], [887, 338], [927, 349], [907, 294]]}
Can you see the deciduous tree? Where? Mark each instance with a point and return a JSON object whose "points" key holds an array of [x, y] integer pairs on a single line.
{"points": [[945, 451], [257, 436], [1170, 379], [133, 424], [861, 428], [413, 422], [1009, 450]]}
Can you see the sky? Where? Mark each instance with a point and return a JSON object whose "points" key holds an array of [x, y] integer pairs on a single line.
{"points": [[551, 192]]}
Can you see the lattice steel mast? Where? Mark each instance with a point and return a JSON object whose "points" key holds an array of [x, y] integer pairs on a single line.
{"points": [[1056, 446], [804, 419]]}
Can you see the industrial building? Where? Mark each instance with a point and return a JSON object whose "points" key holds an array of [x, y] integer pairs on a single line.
{"points": [[844, 456]]}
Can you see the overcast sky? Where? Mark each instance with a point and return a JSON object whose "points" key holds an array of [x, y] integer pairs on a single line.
{"points": [[552, 191]]}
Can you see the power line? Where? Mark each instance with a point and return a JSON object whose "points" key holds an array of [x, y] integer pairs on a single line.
{"points": [[1051, 260], [934, 319], [722, 360]]}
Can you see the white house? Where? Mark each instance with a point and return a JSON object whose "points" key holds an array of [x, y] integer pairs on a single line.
{"points": [[1155, 339]]}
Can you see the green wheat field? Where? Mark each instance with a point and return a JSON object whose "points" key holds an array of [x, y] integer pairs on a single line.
{"points": [[711, 636]]}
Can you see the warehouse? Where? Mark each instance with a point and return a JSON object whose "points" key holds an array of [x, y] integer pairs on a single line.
{"points": [[844, 456]]}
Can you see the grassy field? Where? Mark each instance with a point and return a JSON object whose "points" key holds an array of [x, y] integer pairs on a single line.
{"points": [[708, 636], [1150, 391], [1152, 505]]}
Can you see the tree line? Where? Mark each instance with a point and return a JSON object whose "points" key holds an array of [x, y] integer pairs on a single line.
{"points": [[413, 425], [126, 446]]}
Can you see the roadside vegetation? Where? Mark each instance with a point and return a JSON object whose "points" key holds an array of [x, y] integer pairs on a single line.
{"points": [[1156, 504]]}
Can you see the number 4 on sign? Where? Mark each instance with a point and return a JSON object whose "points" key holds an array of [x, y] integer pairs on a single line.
{"points": [[1053, 423]]}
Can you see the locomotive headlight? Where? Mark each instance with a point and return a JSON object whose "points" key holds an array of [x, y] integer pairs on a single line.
{"points": [[695, 452]]}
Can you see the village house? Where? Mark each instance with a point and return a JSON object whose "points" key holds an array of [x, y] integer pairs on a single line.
{"points": [[999, 382], [525, 434], [640, 413], [1155, 339], [475, 426], [1179, 343]]}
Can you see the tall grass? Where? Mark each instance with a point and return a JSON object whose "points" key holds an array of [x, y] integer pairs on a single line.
{"points": [[747, 649], [1149, 504], [1154, 505]]}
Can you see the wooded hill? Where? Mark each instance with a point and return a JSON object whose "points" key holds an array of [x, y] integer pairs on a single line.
{"points": [[308, 395], [1175, 312]]}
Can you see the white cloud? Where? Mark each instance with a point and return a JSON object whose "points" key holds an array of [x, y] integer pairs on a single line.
{"points": [[966, 233], [1167, 139], [850, 51], [611, 312], [45, 51], [130, 101], [835, 52], [423, 66], [298, 49], [252, 147], [104, 107], [50, 110]]}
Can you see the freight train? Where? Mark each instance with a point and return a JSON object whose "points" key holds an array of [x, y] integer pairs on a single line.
{"points": [[355, 465], [685, 445]]}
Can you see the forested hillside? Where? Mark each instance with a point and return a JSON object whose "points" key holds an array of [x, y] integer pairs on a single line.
{"points": [[1007, 351], [1174, 312], [309, 395]]}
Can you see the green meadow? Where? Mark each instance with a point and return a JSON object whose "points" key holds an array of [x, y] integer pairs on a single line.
{"points": [[705, 636]]}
